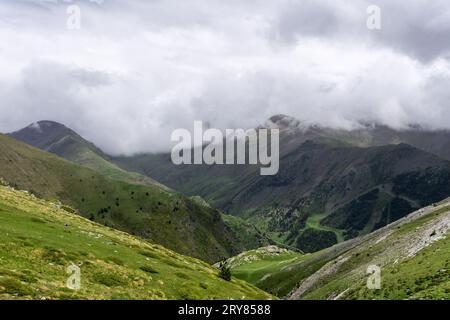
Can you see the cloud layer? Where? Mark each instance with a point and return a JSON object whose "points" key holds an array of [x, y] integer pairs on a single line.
{"points": [[138, 69]]}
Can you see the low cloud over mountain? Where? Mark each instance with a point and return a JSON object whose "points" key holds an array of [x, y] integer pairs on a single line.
{"points": [[139, 69]]}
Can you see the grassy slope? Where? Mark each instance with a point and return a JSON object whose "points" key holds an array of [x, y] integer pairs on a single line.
{"points": [[66, 143], [90, 159], [256, 271], [424, 274], [167, 218], [38, 241], [340, 271], [245, 233], [258, 266]]}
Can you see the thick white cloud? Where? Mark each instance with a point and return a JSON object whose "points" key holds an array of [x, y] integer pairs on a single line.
{"points": [[139, 69]]}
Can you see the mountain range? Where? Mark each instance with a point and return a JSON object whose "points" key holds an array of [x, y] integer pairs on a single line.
{"points": [[145, 210], [56, 138], [333, 184], [342, 201]]}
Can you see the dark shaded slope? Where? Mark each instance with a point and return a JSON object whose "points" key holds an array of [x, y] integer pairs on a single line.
{"points": [[353, 189]]}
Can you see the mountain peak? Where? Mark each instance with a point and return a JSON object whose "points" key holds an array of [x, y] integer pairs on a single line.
{"points": [[283, 122], [46, 134], [43, 125], [50, 123]]}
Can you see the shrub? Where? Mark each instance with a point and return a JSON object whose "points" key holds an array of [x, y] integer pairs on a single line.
{"points": [[224, 271]]}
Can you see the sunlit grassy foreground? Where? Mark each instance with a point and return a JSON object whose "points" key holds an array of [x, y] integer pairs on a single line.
{"points": [[39, 240]]}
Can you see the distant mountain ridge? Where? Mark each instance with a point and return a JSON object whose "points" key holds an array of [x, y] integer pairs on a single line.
{"points": [[333, 184], [368, 134], [166, 218], [51, 136], [56, 138]]}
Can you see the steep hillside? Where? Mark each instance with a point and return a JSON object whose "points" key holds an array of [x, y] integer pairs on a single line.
{"points": [[56, 138], [326, 190], [412, 253], [39, 240], [332, 185], [166, 218], [244, 233]]}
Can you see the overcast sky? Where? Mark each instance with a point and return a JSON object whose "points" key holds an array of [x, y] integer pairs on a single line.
{"points": [[138, 69]]}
